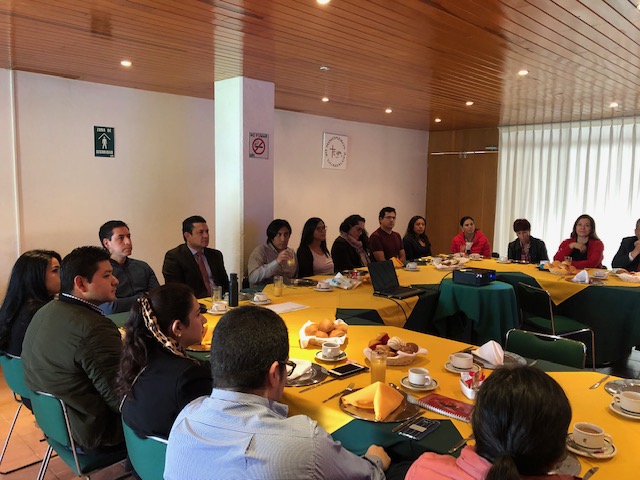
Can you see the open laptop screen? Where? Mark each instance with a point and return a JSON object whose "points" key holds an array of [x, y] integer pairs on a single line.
{"points": [[383, 276]]}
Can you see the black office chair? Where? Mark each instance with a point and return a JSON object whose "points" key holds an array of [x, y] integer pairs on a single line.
{"points": [[537, 314]]}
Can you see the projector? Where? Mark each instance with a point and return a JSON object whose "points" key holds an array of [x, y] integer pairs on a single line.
{"points": [[474, 276]]}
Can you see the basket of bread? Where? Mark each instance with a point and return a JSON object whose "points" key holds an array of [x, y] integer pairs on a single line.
{"points": [[398, 351], [561, 268], [315, 334], [452, 263]]}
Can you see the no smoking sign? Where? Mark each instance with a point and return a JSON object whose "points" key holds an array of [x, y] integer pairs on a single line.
{"points": [[259, 145]]}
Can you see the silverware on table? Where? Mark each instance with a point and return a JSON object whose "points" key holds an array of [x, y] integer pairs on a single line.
{"points": [[597, 384], [410, 398], [324, 382], [407, 421], [590, 473], [460, 444], [349, 389]]}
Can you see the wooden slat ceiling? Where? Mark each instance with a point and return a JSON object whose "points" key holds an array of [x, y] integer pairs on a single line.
{"points": [[422, 58]]}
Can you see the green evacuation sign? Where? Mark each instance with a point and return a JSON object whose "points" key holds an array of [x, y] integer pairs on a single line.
{"points": [[104, 141]]}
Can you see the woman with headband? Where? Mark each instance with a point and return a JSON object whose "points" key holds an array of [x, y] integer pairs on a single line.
{"points": [[157, 378]]}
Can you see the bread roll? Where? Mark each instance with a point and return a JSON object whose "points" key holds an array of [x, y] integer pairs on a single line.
{"points": [[325, 325], [342, 326], [336, 333], [311, 329], [320, 334]]}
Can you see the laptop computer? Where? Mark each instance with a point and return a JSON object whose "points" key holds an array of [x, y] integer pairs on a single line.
{"points": [[385, 282]]}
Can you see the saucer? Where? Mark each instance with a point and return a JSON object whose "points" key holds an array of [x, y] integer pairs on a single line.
{"points": [[608, 450], [430, 386], [411, 269], [625, 413], [452, 369], [339, 358], [323, 289], [217, 312], [264, 302]]}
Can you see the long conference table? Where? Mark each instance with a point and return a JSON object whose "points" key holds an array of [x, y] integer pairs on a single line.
{"points": [[588, 405], [611, 310]]}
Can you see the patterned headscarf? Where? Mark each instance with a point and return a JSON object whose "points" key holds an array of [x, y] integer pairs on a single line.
{"points": [[151, 323]]}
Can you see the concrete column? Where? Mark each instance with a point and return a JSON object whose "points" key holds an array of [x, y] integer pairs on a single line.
{"points": [[244, 182]]}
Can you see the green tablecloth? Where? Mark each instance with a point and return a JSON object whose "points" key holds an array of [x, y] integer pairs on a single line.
{"points": [[475, 314], [613, 313]]}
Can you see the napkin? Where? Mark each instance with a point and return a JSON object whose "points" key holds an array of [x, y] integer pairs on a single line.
{"points": [[341, 281], [492, 352], [582, 277], [379, 397], [302, 367]]}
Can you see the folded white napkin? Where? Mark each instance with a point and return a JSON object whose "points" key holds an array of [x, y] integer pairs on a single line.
{"points": [[341, 281], [581, 277], [492, 352], [302, 367]]}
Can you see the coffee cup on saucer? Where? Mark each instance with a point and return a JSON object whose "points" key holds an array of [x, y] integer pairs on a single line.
{"points": [[330, 349], [219, 306], [588, 435], [419, 377], [436, 260], [474, 256], [412, 266], [323, 286], [260, 297], [461, 360], [629, 401]]}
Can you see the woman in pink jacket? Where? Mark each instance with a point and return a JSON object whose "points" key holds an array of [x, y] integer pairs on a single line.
{"points": [[471, 239], [584, 247], [520, 425]]}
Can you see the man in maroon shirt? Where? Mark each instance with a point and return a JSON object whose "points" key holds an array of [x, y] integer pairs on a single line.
{"points": [[384, 242]]}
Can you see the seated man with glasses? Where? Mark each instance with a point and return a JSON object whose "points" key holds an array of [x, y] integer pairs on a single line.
{"points": [[384, 242], [241, 430]]}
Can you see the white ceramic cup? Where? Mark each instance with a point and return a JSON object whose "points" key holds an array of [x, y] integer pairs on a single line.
{"points": [[461, 360], [323, 286], [220, 306], [504, 259], [474, 256], [436, 260], [412, 266], [330, 350], [419, 377], [629, 401], [588, 435], [260, 297]]}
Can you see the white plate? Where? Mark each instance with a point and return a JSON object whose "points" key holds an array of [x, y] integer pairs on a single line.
{"points": [[411, 269], [452, 369], [339, 358], [430, 386], [500, 261], [217, 312], [625, 413], [607, 451], [323, 289], [264, 302]]}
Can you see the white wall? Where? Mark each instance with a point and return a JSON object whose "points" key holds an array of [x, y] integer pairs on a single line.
{"points": [[385, 166], [163, 170]]}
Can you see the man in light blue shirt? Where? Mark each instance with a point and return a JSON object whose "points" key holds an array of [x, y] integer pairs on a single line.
{"points": [[241, 431]]}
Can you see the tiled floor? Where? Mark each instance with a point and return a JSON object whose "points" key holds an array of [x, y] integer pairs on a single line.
{"points": [[27, 445]]}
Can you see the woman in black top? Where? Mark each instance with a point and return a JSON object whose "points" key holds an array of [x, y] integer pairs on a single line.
{"points": [[351, 248], [35, 279], [157, 378], [415, 241]]}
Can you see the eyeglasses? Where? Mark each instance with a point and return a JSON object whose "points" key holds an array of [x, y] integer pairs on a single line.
{"points": [[389, 217], [288, 363]]}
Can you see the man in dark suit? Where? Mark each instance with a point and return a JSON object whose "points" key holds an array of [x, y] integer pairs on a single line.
{"points": [[628, 256], [192, 263]]}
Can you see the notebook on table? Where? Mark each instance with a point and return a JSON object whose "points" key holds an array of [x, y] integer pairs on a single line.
{"points": [[450, 407], [385, 282]]}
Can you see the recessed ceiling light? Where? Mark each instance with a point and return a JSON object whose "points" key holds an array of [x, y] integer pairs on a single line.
{"points": [[126, 63], [325, 99], [438, 120], [468, 104], [388, 110], [325, 68], [523, 72], [323, 2], [613, 104]]}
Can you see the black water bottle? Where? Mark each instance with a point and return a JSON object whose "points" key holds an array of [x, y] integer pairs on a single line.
{"points": [[233, 289]]}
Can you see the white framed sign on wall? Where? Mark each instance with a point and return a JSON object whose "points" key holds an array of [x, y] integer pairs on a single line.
{"points": [[334, 151]]}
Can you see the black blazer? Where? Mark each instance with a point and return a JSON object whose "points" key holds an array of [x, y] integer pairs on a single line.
{"points": [[181, 267], [621, 260], [537, 251], [344, 256]]}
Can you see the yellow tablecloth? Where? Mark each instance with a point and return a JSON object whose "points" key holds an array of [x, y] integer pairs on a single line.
{"points": [[588, 405]]}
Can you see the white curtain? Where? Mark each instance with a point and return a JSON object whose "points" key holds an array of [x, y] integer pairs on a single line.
{"points": [[551, 174]]}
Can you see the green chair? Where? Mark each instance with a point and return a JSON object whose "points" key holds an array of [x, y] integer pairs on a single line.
{"points": [[537, 313], [52, 418], [147, 454], [14, 376], [547, 347]]}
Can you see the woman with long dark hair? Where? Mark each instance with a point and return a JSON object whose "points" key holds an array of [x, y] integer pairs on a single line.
{"points": [[351, 248], [313, 255], [34, 281], [520, 425], [415, 241], [157, 378], [583, 246]]}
